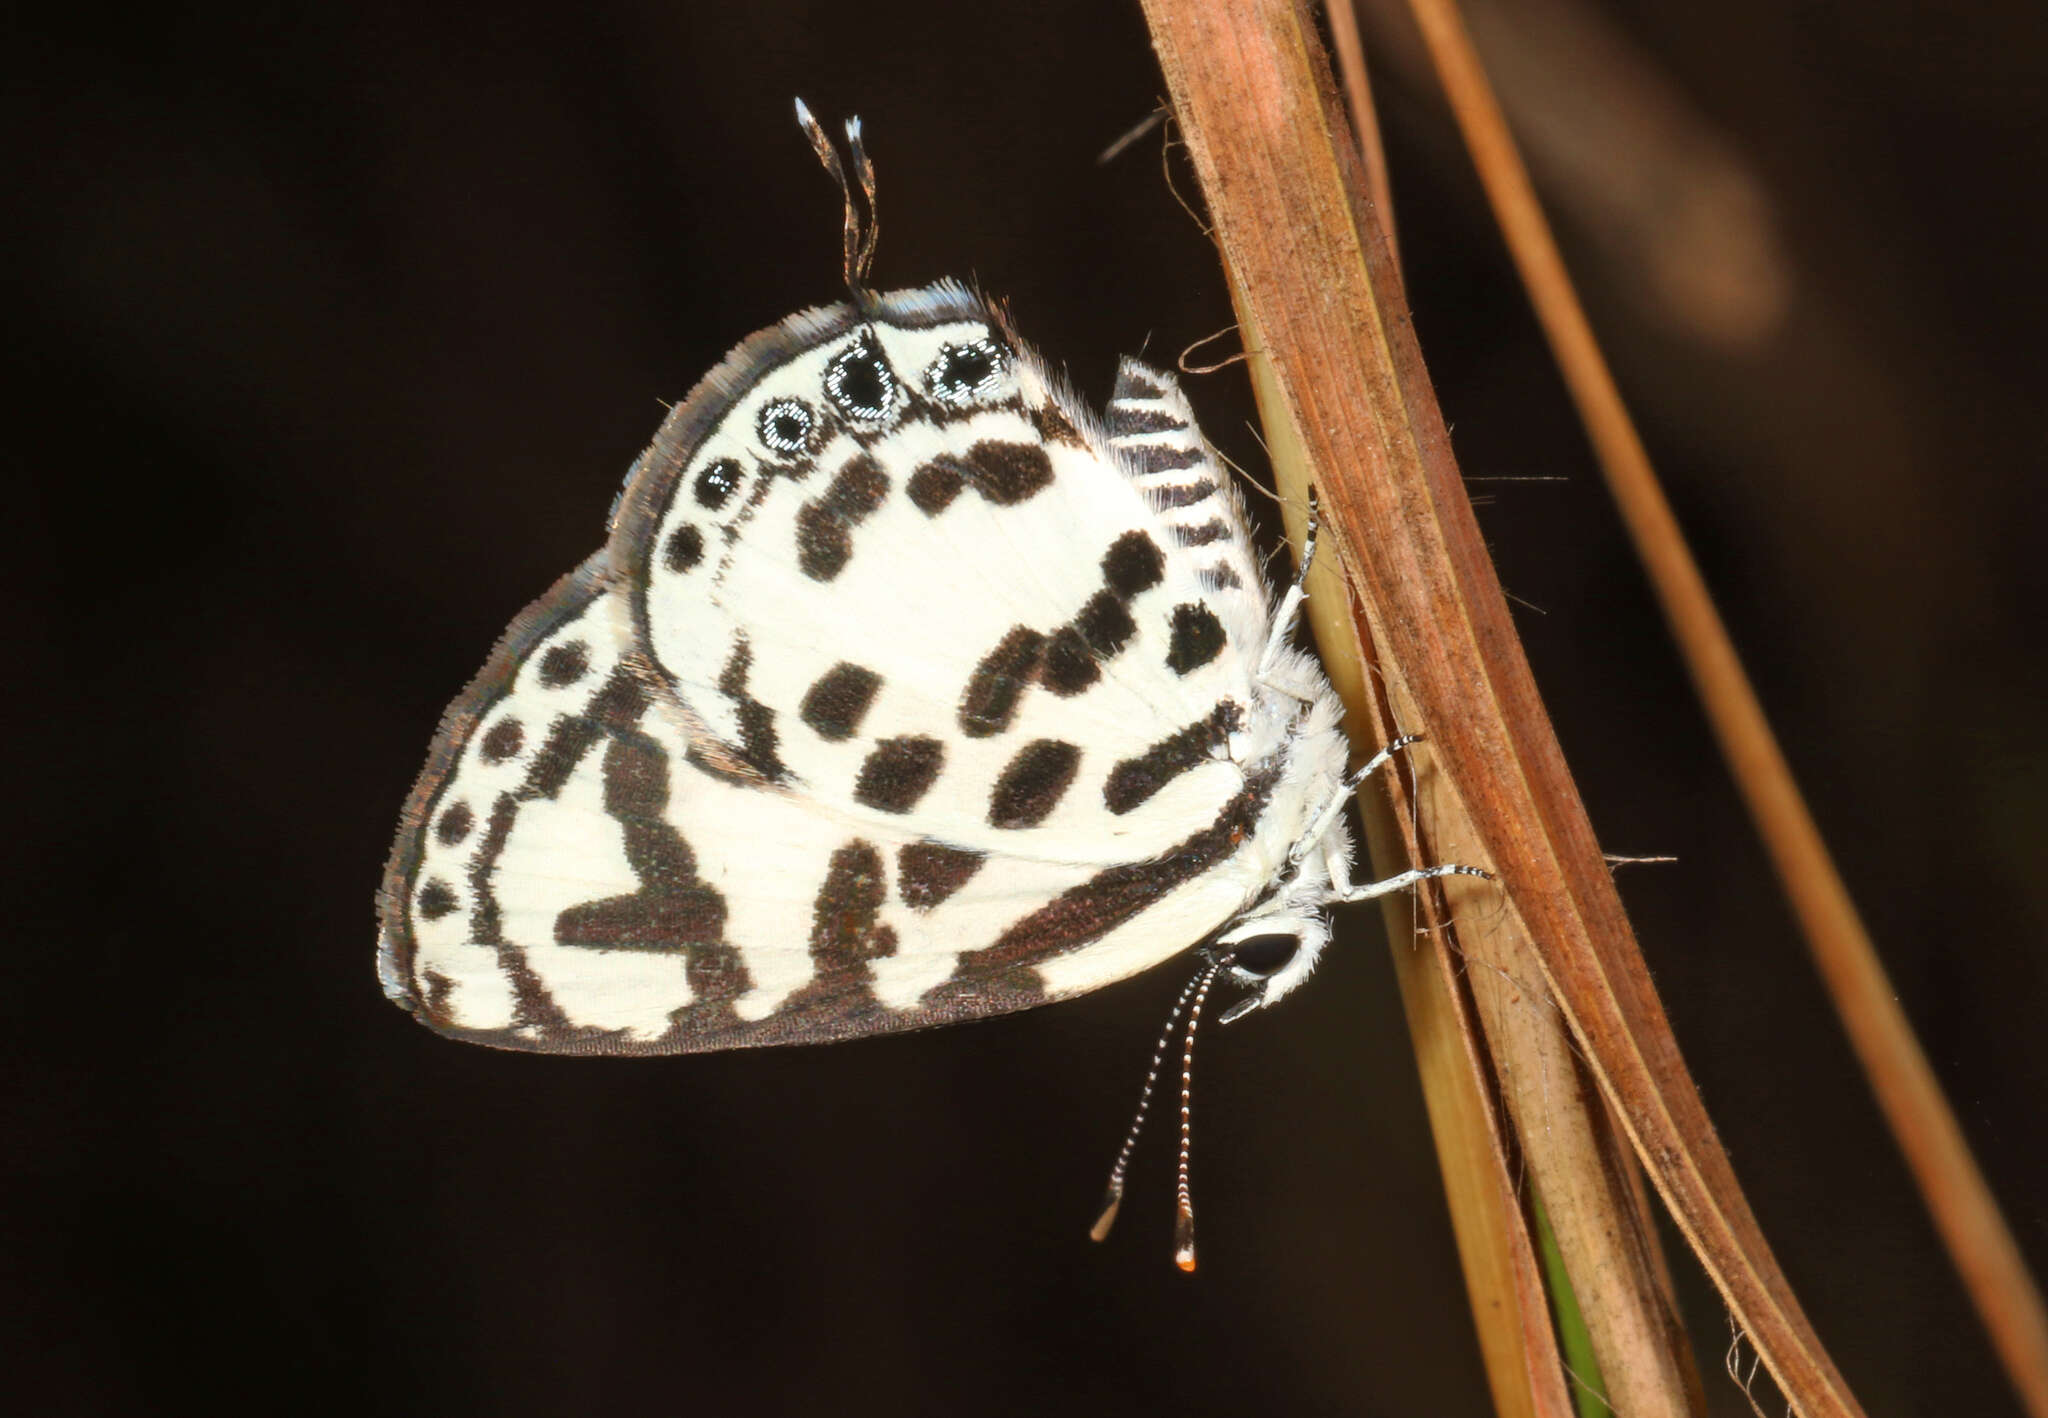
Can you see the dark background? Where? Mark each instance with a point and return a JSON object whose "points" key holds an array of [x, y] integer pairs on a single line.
{"points": [[332, 330]]}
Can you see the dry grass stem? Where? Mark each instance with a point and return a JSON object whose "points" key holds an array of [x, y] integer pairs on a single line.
{"points": [[1503, 1275], [1964, 1210], [1319, 298], [1365, 118]]}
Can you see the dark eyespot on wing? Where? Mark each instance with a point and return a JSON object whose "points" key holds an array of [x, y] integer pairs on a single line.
{"points": [[787, 425], [717, 483], [899, 772], [824, 524], [929, 872], [860, 381], [999, 682], [1133, 564], [1135, 780], [1033, 783], [963, 373], [839, 700], [1197, 638]]}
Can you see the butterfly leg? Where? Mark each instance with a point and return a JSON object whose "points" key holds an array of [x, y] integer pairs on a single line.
{"points": [[1319, 825], [1281, 631], [1338, 863], [1400, 881]]}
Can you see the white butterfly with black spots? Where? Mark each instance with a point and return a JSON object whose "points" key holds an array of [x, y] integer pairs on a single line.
{"points": [[904, 690]]}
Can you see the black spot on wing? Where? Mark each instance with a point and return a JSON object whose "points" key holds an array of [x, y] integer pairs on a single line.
{"points": [[1135, 780], [1088, 912], [757, 743], [1069, 667], [618, 704], [824, 525], [684, 549], [1006, 473], [835, 705], [1055, 427], [899, 772], [1214, 530], [436, 899], [1099, 632], [933, 487], [1032, 783], [503, 741], [1133, 564], [1219, 578], [845, 934], [1197, 638], [929, 872], [1003, 472], [1128, 420], [1181, 494], [673, 910], [564, 664], [1161, 457], [1136, 381], [611, 712], [999, 681], [455, 824], [1104, 624]]}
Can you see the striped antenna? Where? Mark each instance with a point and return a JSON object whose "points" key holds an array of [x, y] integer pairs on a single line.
{"points": [[1184, 1206], [1113, 1198]]}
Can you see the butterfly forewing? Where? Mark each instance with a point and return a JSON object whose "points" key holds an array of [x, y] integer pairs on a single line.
{"points": [[903, 692]]}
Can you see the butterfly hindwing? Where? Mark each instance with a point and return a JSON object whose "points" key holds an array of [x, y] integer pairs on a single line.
{"points": [[903, 692]]}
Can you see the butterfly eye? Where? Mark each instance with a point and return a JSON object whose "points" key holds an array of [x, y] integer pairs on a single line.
{"points": [[1264, 956], [860, 382], [965, 372], [718, 481], [786, 425]]}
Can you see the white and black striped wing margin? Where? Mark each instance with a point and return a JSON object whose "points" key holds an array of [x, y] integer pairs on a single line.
{"points": [[903, 693]]}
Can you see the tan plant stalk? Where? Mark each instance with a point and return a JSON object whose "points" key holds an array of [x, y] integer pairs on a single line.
{"points": [[1979, 1242], [1253, 92]]}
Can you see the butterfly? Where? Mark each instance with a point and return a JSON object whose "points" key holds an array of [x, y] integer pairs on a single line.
{"points": [[904, 690]]}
